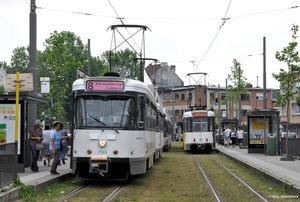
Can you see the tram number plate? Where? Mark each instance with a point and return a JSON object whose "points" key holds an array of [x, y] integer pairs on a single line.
{"points": [[102, 151]]}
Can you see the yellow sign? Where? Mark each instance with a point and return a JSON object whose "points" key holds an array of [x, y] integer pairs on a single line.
{"points": [[258, 125]]}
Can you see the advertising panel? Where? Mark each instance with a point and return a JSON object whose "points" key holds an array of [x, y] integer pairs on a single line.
{"points": [[7, 124], [258, 127]]}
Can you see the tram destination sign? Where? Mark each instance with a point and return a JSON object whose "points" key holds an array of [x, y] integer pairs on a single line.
{"points": [[96, 85]]}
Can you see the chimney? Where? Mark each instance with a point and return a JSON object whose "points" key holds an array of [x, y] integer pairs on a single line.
{"points": [[173, 67]]}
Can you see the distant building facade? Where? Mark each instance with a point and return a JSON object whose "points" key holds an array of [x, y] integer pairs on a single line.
{"points": [[178, 98]]}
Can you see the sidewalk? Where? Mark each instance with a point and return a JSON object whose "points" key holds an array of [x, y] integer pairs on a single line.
{"points": [[38, 181], [283, 173]]}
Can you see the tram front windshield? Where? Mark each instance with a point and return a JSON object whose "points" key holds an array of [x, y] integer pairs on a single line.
{"points": [[105, 111]]}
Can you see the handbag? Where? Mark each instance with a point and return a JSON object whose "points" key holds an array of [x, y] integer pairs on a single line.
{"points": [[39, 146]]}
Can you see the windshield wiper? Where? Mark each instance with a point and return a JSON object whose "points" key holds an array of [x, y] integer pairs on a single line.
{"points": [[103, 123]]}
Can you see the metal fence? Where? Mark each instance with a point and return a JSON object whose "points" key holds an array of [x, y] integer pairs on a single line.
{"points": [[8, 163], [293, 147]]}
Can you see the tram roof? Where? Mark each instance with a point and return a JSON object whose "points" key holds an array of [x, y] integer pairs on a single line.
{"points": [[197, 113]]}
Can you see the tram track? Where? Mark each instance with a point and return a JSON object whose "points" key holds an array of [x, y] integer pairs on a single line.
{"points": [[110, 195], [176, 177], [74, 192], [210, 184], [114, 193], [220, 195]]}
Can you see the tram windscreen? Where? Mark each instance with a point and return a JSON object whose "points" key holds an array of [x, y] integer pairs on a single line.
{"points": [[108, 111], [200, 124]]}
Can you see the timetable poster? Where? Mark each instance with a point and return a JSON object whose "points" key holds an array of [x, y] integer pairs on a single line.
{"points": [[258, 127], [7, 124]]}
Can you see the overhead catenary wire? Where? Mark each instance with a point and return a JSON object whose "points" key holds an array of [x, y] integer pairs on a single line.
{"points": [[219, 58], [118, 17], [163, 18], [178, 18], [223, 23]]}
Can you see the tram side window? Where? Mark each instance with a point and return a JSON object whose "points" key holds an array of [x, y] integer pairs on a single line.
{"points": [[81, 115], [151, 117], [189, 125], [211, 124]]}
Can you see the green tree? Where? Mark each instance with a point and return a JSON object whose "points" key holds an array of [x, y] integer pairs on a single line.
{"points": [[64, 53], [19, 61], [238, 87], [2, 89], [288, 79]]}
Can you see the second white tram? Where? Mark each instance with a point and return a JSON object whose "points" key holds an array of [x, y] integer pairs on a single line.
{"points": [[199, 131]]}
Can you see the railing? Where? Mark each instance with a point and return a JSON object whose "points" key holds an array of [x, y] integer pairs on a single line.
{"points": [[293, 147], [8, 163]]}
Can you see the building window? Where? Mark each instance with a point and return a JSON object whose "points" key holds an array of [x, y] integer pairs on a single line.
{"points": [[176, 112], [223, 95], [176, 96], [164, 98], [223, 113], [183, 97], [259, 96], [296, 109], [246, 97], [212, 95], [244, 112], [190, 97], [296, 86], [171, 97], [283, 111]]}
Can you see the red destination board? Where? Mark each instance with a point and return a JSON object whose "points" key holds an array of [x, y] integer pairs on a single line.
{"points": [[92, 85]]}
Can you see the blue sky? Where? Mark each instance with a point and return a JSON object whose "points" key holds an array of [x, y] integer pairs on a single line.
{"points": [[181, 31]]}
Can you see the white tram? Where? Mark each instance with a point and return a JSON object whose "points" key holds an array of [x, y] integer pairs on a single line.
{"points": [[114, 127], [198, 128]]}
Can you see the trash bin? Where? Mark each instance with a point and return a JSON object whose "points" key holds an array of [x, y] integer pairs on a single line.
{"points": [[271, 144]]}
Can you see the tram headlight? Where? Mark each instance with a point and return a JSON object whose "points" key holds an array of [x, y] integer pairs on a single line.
{"points": [[102, 143]]}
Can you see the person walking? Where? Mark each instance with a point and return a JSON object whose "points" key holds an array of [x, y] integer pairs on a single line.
{"points": [[46, 143], [64, 144], [55, 140], [240, 135], [36, 136], [226, 135], [233, 137]]}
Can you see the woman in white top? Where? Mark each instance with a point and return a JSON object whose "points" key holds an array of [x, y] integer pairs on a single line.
{"points": [[46, 143], [240, 134]]}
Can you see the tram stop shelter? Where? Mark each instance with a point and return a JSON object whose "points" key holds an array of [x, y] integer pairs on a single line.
{"points": [[9, 158], [263, 131]]}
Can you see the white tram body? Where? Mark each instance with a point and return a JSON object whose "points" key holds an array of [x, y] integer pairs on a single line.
{"points": [[108, 144], [198, 131]]}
